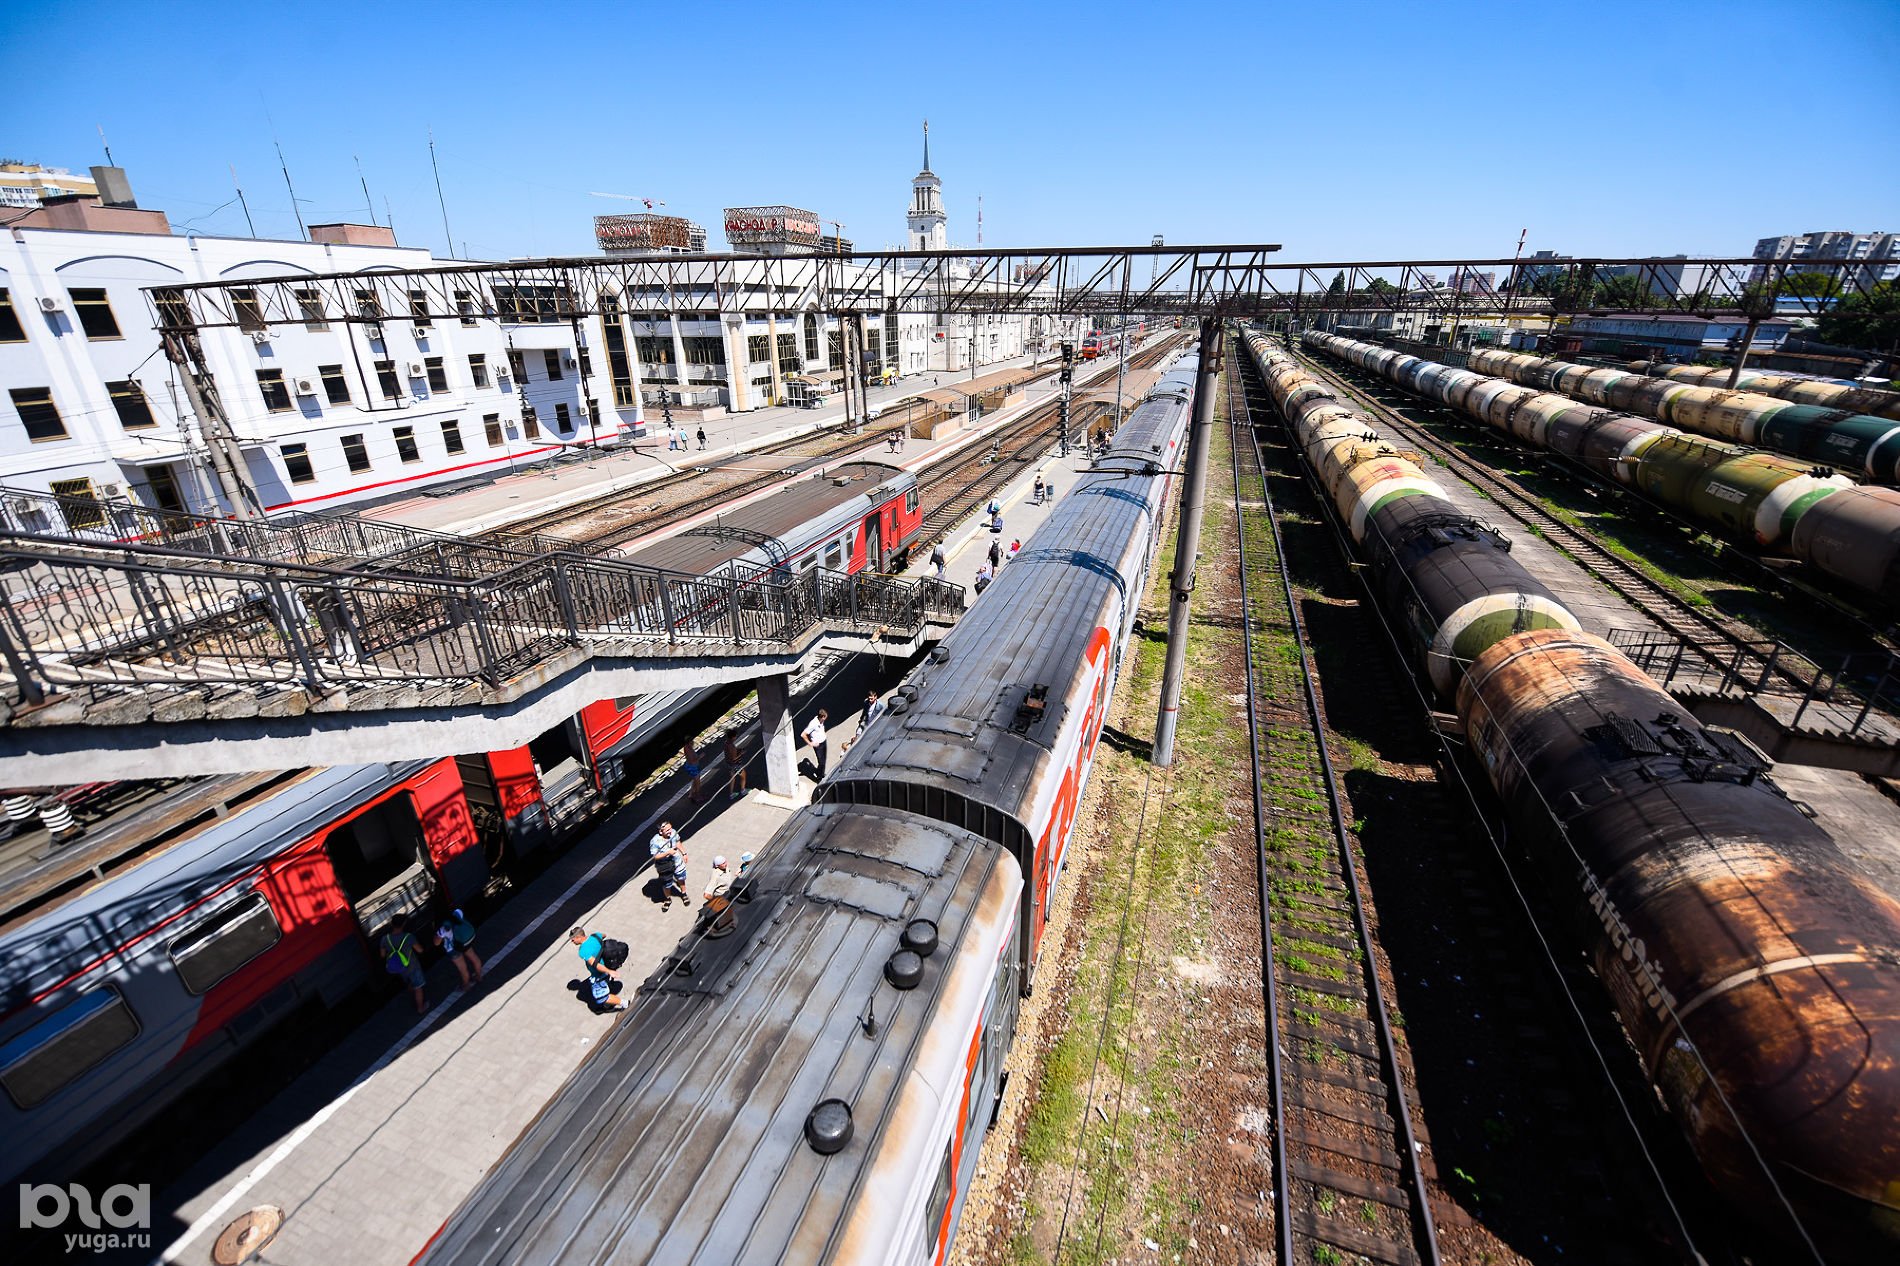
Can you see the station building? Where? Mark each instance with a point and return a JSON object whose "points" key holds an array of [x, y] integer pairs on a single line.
{"points": [[319, 414]]}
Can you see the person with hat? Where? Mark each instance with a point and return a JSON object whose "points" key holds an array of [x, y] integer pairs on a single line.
{"points": [[718, 904]]}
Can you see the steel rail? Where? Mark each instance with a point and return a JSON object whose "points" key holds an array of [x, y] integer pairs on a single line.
{"points": [[1424, 1231]]}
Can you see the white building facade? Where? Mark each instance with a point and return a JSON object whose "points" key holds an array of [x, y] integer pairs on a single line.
{"points": [[323, 413], [1881, 251]]}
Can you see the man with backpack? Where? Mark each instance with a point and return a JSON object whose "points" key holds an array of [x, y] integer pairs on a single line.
{"points": [[402, 956], [601, 956]]}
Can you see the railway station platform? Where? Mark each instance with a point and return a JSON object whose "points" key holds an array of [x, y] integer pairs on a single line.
{"points": [[367, 1153]]}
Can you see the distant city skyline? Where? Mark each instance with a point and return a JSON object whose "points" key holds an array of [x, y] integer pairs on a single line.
{"points": [[1384, 131]]}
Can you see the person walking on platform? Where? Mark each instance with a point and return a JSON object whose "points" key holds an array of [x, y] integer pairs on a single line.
{"points": [[936, 559], [702, 439], [735, 781], [689, 762], [814, 734], [604, 988], [1039, 489], [874, 708], [402, 956], [456, 936], [669, 859], [996, 554]]}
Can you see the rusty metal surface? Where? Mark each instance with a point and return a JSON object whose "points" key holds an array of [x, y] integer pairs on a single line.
{"points": [[1756, 970]]}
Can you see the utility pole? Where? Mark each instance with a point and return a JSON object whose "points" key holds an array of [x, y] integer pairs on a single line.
{"points": [[226, 461], [1067, 377], [447, 238], [1193, 501]]}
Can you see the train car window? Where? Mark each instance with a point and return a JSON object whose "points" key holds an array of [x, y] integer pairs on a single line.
{"points": [[214, 947], [938, 1202], [834, 557], [46, 1058], [910, 501]]}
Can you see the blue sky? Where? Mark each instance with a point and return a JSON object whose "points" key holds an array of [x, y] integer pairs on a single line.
{"points": [[1344, 131]]}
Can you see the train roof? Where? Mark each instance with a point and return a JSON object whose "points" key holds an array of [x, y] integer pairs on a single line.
{"points": [[706, 548], [209, 846], [681, 1137], [960, 730]]}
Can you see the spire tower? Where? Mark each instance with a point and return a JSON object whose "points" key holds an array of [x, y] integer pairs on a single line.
{"points": [[926, 220]]}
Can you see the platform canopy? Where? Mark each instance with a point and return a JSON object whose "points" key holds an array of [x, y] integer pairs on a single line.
{"points": [[1239, 281]]}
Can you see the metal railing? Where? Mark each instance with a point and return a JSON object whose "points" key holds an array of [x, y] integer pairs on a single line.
{"points": [[73, 614], [1860, 695]]}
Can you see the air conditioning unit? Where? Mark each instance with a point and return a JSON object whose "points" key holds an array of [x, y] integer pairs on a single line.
{"points": [[415, 369], [49, 304], [260, 336], [306, 386], [501, 373], [571, 362], [110, 490]]}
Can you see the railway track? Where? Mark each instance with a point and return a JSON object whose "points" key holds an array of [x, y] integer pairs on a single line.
{"points": [[960, 486], [1343, 1134], [1716, 639]]}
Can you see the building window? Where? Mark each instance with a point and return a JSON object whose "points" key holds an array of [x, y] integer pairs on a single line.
{"points": [[419, 306], [551, 358], [311, 303], [758, 347], [618, 367], [811, 337], [491, 427], [406, 444], [465, 306], [95, 313], [518, 365], [368, 305], [79, 504], [214, 947], [438, 377], [478, 369], [452, 436], [335, 385], [562, 421], [704, 351], [45, 1059], [530, 425], [297, 463], [276, 396], [355, 454], [37, 414], [129, 402], [248, 311], [788, 354], [386, 378], [11, 331]]}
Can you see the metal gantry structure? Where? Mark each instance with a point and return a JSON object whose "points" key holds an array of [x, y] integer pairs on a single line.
{"points": [[1229, 281]]}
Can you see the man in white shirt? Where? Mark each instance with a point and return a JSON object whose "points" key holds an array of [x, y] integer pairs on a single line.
{"points": [[814, 734]]}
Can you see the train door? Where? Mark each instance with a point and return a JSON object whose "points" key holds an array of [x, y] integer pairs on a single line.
{"points": [[381, 863], [874, 545], [485, 807], [567, 773]]}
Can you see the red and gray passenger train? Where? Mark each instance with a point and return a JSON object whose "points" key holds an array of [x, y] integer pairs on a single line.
{"points": [[1754, 968], [815, 1084], [1847, 531], [171, 936]]}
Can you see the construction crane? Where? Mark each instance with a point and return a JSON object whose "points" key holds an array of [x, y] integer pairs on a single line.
{"points": [[630, 197]]}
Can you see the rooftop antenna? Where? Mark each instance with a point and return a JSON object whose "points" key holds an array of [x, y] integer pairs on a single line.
{"points": [[369, 203], [979, 221], [104, 145], [440, 201], [294, 208], [241, 202], [389, 217]]}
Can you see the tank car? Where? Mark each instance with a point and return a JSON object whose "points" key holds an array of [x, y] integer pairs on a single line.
{"points": [[1756, 497], [1756, 971], [1815, 391], [1861, 443]]}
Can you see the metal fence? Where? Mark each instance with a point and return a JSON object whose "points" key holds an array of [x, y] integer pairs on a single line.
{"points": [[73, 615], [1855, 698]]}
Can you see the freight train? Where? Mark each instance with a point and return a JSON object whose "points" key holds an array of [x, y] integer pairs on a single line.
{"points": [[1859, 442], [815, 1085], [1842, 530], [140, 958], [1816, 391], [1756, 971]]}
